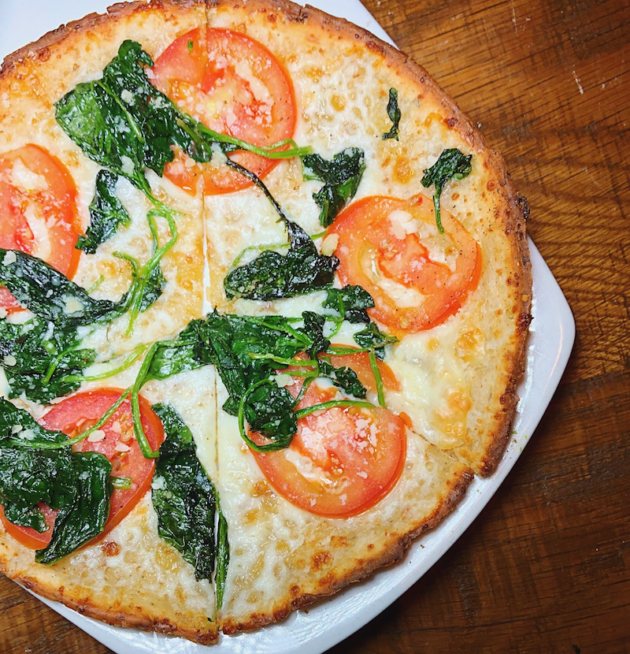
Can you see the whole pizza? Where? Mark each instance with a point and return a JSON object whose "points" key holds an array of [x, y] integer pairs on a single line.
{"points": [[264, 297]]}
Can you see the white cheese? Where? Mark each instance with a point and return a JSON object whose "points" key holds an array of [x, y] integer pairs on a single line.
{"points": [[72, 305], [329, 244], [26, 180], [9, 258], [96, 436], [126, 96], [9, 360]]}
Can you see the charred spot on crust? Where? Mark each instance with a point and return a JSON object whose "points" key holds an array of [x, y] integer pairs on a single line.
{"points": [[523, 322], [524, 206]]}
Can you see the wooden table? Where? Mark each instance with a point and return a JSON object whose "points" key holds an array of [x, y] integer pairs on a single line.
{"points": [[546, 567]]}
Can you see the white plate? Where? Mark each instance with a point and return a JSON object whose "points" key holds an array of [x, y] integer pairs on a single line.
{"points": [[329, 622]]}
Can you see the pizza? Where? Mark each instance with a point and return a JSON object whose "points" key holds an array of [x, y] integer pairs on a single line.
{"points": [[264, 300]]}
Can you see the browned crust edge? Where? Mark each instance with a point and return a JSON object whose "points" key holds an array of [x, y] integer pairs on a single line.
{"points": [[389, 557], [40, 50], [515, 211], [118, 618]]}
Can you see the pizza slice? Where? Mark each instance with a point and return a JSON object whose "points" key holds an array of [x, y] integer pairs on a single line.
{"points": [[401, 190]]}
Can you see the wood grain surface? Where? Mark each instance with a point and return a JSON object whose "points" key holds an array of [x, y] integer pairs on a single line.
{"points": [[546, 566]]}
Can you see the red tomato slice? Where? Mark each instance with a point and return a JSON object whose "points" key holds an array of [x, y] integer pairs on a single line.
{"points": [[78, 413], [233, 85], [412, 292], [341, 462], [38, 212]]}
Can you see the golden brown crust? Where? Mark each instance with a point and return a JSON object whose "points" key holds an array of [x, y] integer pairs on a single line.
{"points": [[137, 620], [40, 50]]}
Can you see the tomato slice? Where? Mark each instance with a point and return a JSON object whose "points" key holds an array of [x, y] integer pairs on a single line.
{"points": [[78, 413], [38, 212], [360, 363], [341, 462], [233, 85], [417, 277]]}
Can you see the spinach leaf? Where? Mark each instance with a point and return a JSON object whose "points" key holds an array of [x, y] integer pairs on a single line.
{"points": [[269, 410], [248, 351], [394, 113], [349, 303], [41, 360], [451, 164], [107, 213], [271, 275], [121, 121], [83, 499], [342, 377], [77, 484], [372, 338], [183, 496], [341, 176], [314, 327], [49, 294], [179, 355]]}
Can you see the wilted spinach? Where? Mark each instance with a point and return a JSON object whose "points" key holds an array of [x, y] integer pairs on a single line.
{"points": [[394, 113], [451, 164], [271, 275], [49, 294], [248, 352], [183, 496], [77, 484], [349, 303], [107, 213], [41, 360], [341, 176]]}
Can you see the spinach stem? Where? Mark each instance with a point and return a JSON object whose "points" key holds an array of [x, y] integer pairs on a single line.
{"points": [[377, 378], [284, 361], [123, 483], [130, 360], [330, 405], [141, 437], [46, 445]]}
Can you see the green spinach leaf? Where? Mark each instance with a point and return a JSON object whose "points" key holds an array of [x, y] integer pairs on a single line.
{"points": [[451, 164], [77, 484], [342, 377], [83, 498], [341, 176], [41, 360], [372, 338], [271, 275], [183, 496], [394, 113], [349, 303], [49, 294], [107, 213]]}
